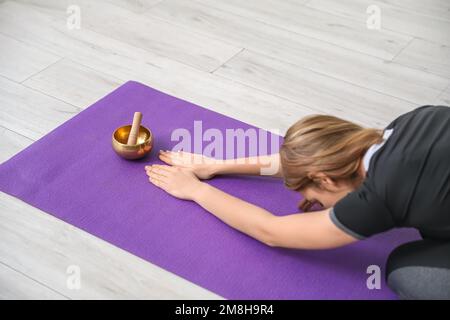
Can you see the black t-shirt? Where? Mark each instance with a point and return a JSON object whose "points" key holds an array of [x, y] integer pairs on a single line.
{"points": [[408, 180]]}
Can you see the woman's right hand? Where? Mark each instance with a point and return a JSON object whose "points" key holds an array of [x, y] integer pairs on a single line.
{"points": [[202, 166]]}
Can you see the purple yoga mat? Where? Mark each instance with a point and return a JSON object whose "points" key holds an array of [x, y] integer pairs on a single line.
{"points": [[73, 174]]}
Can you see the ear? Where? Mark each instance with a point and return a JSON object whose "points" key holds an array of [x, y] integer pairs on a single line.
{"points": [[324, 180]]}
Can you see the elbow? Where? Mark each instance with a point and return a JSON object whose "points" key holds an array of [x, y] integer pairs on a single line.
{"points": [[268, 241], [271, 244], [268, 234]]}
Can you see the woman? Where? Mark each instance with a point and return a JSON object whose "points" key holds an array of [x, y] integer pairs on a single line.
{"points": [[365, 180]]}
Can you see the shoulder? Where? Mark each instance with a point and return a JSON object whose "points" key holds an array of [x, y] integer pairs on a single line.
{"points": [[420, 112], [362, 212]]}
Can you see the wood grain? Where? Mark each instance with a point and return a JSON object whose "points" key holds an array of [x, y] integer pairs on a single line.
{"points": [[15, 285], [321, 93], [322, 25], [427, 56], [74, 83], [29, 112], [320, 56], [19, 61], [402, 20]]}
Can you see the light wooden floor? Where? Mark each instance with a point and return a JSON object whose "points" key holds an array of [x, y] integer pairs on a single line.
{"points": [[266, 62]]}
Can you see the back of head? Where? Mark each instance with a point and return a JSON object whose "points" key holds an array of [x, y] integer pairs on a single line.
{"points": [[324, 144]]}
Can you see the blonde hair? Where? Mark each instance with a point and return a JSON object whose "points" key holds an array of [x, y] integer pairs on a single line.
{"points": [[326, 144]]}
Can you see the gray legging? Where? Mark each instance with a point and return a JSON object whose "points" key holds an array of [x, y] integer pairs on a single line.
{"points": [[420, 270]]}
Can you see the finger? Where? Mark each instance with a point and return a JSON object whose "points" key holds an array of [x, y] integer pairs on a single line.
{"points": [[170, 152], [148, 169], [170, 161], [156, 172], [163, 168], [163, 152], [151, 170], [165, 158], [157, 182], [177, 158], [157, 167]]}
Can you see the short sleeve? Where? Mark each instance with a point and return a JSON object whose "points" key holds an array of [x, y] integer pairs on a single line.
{"points": [[409, 114], [361, 213]]}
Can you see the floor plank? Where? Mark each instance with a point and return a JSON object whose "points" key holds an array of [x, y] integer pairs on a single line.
{"points": [[45, 247], [396, 19], [292, 15], [340, 63], [433, 8], [137, 6], [19, 61], [127, 62], [153, 35], [444, 98], [12, 143], [427, 56], [31, 113], [16, 286], [324, 94], [60, 6], [73, 83]]}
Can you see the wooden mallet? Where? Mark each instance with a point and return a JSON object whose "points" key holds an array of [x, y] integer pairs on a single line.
{"points": [[134, 132]]}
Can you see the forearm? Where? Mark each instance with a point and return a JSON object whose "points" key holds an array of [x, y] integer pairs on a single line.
{"points": [[262, 165], [313, 230], [238, 214]]}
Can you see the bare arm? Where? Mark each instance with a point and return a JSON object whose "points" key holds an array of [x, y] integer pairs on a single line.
{"points": [[205, 168], [263, 165], [313, 230]]}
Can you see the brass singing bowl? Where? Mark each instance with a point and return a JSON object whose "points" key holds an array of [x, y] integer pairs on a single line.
{"points": [[139, 150]]}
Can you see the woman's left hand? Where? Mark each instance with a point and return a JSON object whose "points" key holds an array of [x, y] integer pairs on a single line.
{"points": [[178, 182]]}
